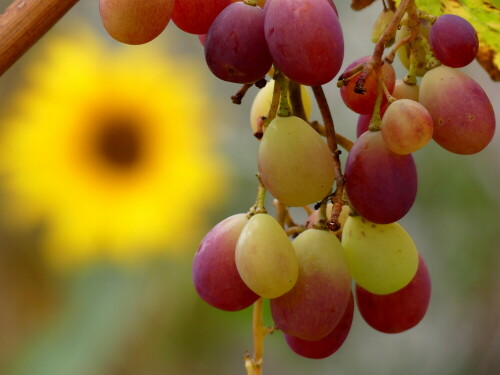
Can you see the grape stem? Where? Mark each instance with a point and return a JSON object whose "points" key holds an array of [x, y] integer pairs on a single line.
{"points": [[259, 206], [342, 141], [24, 22], [337, 198]]}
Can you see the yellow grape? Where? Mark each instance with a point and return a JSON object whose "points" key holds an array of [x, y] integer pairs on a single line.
{"points": [[265, 257], [404, 52], [295, 163], [262, 103], [404, 91], [382, 257]]}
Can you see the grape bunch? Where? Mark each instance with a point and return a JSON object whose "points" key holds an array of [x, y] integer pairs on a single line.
{"points": [[351, 252]]}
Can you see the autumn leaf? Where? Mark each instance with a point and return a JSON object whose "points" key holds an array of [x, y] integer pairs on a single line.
{"points": [[360, 4]]}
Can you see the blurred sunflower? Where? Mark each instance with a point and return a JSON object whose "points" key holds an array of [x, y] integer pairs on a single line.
{"points": [[110, 150]]}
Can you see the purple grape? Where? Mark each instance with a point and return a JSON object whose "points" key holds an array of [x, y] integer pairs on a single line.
{"points": [[380, 184], [398, 311], [215, 276], [305, 40], [453, 40], [235, 47], [328, 345]]}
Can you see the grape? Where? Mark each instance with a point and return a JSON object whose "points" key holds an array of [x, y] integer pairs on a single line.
{"points": [[135, 21], [330, 1], [226, 47], [328, 345], [319, 298], [265, 257], [464, 121], [382, 258], [364, 103], [380, 184], [398, 311], [406, 126], [404, 52], [305, 40], [363, 123], [453, 40], [381, 24], [215, 276], [287, 151], [196, 16], [262, 103], [404, 91]]}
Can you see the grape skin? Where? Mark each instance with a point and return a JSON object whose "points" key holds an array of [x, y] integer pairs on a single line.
{"points": [[135, 21], [380, 184], [382, 258], [311, 56], [453, 40], [319, 298], [196, 16], [398, 311], [464, 121], [226, 47], [215, 276], [328, 345]]}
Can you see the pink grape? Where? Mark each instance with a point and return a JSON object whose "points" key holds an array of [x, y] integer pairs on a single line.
{"points": [[380, 184], [196, 16], [453, 40], [328, 345], [226, 47], [314, 306], [135, 21], [406, 126], [215, 276], [464, 121], [398, 311], [364, 103], [309, 55]]}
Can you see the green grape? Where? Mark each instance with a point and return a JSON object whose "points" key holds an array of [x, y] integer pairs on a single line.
{"points": [[265, 257], [382, 257], [404, 52], [295, 163], [262, 103]]}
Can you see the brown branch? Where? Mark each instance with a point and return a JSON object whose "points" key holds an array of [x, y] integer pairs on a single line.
{"points": [[337, 200], [24, 22]]}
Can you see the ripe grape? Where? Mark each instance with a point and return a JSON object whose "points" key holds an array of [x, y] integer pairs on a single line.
{"points": [[453, 40], [406, 126], [305, 40], [287, 151], [226, 47], [464, 121], [265, 257], [380, 184], [328, 345], [398, 311], [196, 16], [405, 91], [262, 103], [382, 258], [319, 298], [420, 51], [364, 103], [135, 21], [215, 276]]}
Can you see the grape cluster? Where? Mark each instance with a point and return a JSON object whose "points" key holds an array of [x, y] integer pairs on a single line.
{"points": [[307, 270]]}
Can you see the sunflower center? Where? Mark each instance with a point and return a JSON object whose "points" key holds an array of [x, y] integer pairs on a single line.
{"points": [[119, 143]]}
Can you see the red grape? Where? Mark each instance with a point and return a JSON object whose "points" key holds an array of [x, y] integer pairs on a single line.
{"points": [[305, 40], [196, 16], [227, 49], [380, 184], [398, 311], [453, 40]]}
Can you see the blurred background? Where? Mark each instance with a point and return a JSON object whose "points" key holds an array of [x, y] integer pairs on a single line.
{"points": [[95, 253]]}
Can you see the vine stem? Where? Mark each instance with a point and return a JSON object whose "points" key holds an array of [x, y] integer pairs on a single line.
{"points": [[24, 22], [337, 199]]}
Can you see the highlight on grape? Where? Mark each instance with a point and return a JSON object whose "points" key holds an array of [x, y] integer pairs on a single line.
{"points": [[351, 252]]}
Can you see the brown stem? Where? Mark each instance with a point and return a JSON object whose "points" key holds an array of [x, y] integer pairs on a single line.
{"points": [[337, 200], [24, 22]]}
